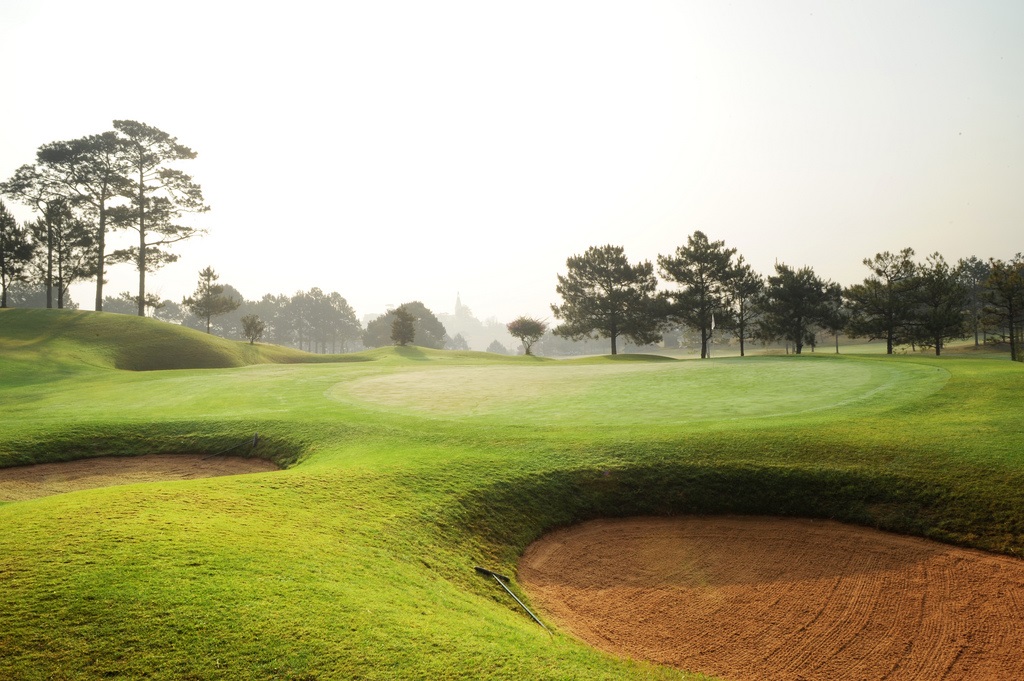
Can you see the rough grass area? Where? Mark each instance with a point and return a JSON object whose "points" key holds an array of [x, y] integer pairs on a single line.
{"points": [[407, 467]]}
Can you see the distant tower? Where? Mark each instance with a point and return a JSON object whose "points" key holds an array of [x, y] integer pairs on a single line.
{"points": [[461, 311]]}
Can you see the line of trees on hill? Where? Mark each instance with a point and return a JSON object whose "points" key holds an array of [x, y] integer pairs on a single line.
{"points": [[125, 179], [311, 320], [713, 290]]}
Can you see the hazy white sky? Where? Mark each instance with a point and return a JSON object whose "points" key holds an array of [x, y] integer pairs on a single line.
{"points": [[404, 150]]}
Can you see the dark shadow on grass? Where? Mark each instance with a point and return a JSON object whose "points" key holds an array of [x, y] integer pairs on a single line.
{"points": [[506, 516], [411, 352]]}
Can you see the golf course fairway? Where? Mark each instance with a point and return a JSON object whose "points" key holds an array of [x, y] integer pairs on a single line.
{"points": [[404, 468]]}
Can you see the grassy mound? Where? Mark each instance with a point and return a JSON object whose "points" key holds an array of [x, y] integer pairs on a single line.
{"points": [[118, 341], [410, 467]]}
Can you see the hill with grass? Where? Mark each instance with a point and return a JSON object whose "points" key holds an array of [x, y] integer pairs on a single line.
{"points": [[408, 468], [117, 341]]}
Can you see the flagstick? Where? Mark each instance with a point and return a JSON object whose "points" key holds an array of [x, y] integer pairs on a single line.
{"points": [[711, 336]]}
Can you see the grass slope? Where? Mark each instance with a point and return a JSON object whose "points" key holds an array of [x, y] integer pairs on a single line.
{"points": [[119, 341], [411, 466]]}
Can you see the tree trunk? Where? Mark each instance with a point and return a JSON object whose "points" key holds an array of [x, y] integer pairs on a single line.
{"points": [[1013, 330], [142, 244], [101, 235], [49, 265], [60, 284], [614, 337], [142, 269]]}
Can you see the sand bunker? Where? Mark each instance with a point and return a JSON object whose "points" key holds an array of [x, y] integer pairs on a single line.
{"points": [[40, 480], [761, 598]]}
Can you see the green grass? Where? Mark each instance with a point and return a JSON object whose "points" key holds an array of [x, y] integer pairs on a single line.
{"points": [[408, 466]]}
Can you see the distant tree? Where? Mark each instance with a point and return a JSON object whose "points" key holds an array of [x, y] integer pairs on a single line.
{"points": [[941, 303], [70, 255], [603, 295], [973, 274], [120, 304], [31, 294], [36, 187], [209, 300], [297, 316], [229, 324], [837, 317], [158, 194], [743, 289], [429, 331], [551, 345], [16, 251], [795, 303], [252, 327], [702, 269], [883, 305], [320, 318], [528, 330], [378, 331], [497, 348], [403, 326], [457, 343], [1005, 299], [150, 302], [325, 319], [346, 327], [168, 310], [273, 310]]}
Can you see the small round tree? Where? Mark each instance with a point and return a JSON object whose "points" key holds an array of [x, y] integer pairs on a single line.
{"points": [[209, 299], [528, 330], [403, 327], [253, 328]]}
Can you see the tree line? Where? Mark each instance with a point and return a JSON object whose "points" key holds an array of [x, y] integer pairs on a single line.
{"points": [[714, 290], [127, 179], [313, 320], [82, 190]]}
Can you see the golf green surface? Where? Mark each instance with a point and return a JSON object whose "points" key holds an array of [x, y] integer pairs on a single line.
{"points": [[637, 393]]}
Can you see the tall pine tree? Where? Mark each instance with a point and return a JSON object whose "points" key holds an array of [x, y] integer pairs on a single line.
{"points": [[603, 295]]}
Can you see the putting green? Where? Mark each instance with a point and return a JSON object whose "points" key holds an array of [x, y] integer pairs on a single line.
{"points": [[638, 393]]}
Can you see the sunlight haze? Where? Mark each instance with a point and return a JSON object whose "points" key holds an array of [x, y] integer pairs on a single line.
{"points": [[398, 151]]}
